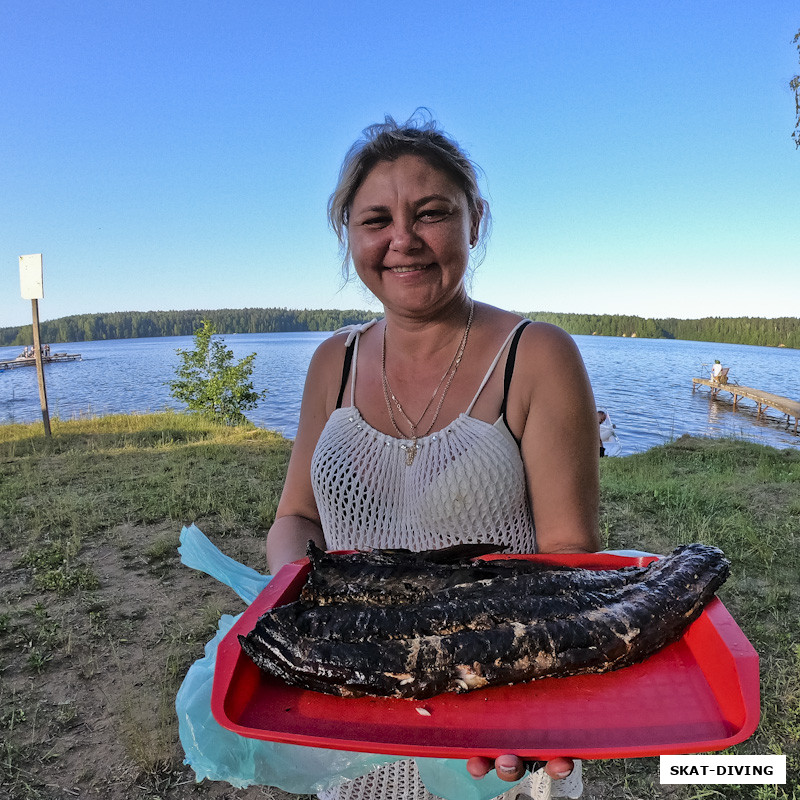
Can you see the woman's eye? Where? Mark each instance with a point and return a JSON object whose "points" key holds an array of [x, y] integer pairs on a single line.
{"points": [[376, 222], [432, 214]]}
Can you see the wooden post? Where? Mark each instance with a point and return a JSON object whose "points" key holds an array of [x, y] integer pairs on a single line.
{"points": [[37, 348], [31, 283]]}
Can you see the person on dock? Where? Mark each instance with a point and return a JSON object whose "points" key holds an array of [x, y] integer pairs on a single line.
{"points": [[399, 415], [716, 370]]}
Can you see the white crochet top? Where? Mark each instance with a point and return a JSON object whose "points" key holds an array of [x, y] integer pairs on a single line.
{"points": [[466, 483]]}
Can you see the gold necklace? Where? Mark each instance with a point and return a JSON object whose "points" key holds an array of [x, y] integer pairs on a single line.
{"points": [[411, 451]]}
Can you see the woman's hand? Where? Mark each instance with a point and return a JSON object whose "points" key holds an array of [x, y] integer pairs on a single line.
{"points": [[512, 768]]}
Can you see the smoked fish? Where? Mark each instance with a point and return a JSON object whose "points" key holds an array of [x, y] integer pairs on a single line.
{"points": [[398, 625]]}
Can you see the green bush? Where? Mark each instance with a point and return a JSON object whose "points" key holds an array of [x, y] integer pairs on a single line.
{"points": [[210, 383]]}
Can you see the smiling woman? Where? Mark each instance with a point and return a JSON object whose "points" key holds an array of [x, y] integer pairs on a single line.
{"points": [[447, 422]]}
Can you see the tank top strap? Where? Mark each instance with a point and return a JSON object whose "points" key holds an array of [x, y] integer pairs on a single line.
{"points": [[514, 332], [351, 358]]}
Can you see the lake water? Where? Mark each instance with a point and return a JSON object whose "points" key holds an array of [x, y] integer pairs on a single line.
{"points": [[644, 384]]}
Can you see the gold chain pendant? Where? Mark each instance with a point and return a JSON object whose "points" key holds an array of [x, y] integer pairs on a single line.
{"points": [[411, 453]]}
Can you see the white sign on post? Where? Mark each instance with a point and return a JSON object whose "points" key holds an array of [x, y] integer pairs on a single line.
{"points": [[30, 277]]}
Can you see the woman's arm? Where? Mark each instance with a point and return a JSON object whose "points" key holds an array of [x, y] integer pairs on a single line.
{"points": [[552, 412], [297, 517], [555, 410], [287, 540]]}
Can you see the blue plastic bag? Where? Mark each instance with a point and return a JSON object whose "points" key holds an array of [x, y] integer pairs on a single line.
{"points": [[197, 552], [218, 754]]}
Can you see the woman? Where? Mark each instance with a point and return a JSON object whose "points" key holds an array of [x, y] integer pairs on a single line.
{"points": [[449, 420]]}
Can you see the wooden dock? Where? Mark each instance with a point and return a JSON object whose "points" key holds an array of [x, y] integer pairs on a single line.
{"points": [[31, 362], [764, 400]]}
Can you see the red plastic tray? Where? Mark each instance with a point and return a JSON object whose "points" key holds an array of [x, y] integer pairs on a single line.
{"points": [[698, 694]]}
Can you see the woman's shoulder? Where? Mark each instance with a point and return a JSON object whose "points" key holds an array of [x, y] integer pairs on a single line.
{"points": [[540, 335], [327, 360], [546, 336], [545, 349], [324, 373], [328, 351]]}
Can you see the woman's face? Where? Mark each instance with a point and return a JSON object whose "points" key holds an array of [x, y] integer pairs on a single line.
{"points": [[410, 232]]}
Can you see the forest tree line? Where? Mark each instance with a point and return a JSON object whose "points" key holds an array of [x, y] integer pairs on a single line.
{"points": [[145, 324], [779, 332]]}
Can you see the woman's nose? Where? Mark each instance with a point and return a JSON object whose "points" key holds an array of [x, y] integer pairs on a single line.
{"points": [[404, 237]]}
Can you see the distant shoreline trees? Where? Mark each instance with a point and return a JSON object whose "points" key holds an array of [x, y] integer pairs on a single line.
{"points": [[778, 332], [146, 324]]}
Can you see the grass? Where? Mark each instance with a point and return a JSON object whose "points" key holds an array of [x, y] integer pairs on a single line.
{"points": [[99, 621], [742, 498], [95, 473]]}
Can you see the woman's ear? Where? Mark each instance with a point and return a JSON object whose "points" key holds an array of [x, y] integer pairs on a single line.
{"points": [[475, 226]]}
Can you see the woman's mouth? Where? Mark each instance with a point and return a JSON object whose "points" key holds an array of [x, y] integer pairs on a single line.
{"points": [[416, 268]]}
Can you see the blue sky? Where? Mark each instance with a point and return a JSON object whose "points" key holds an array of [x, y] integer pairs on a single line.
{"points": [[164, 155]]}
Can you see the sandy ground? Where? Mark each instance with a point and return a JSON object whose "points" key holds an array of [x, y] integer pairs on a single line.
{"points": [[88, 679]]}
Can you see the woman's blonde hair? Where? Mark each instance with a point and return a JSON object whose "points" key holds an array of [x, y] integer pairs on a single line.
{"points": [[387, 141]]}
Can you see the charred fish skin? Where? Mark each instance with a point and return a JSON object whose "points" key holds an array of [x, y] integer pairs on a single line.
{"points": [[479, 605], [380, 578], [476, 607], [589, 632]]}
